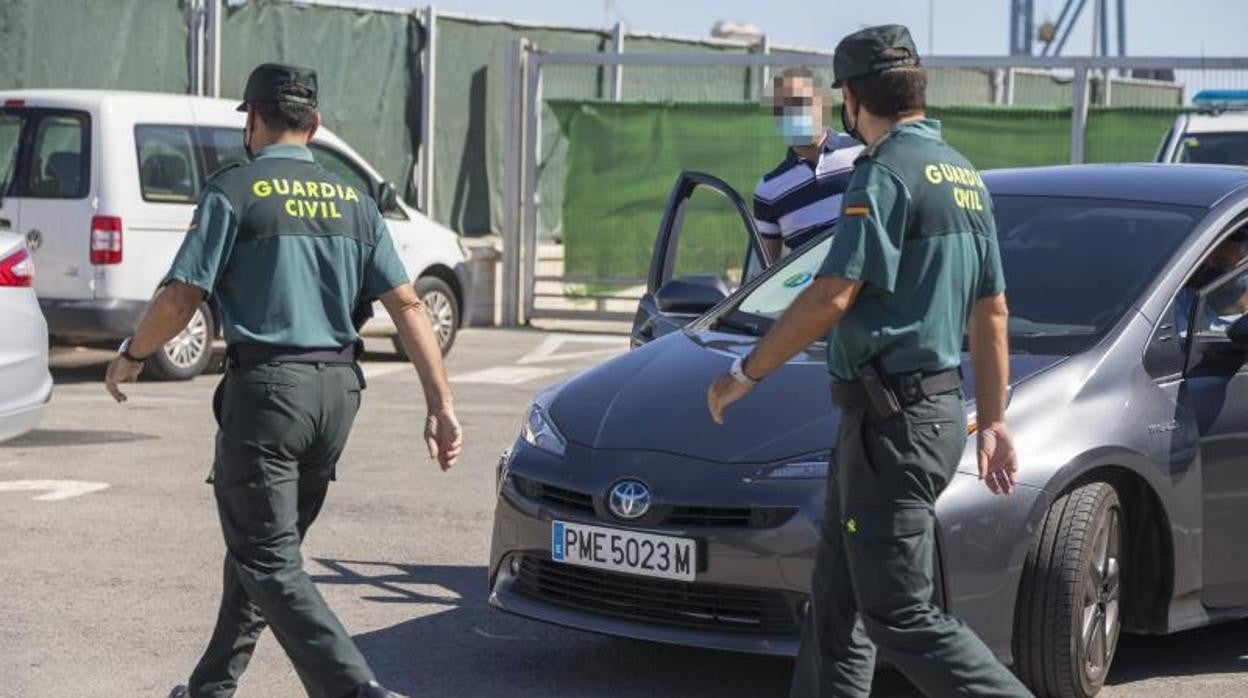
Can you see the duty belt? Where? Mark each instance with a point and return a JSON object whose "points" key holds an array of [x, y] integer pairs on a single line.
{"points": [[887, 395], [248, 354]]}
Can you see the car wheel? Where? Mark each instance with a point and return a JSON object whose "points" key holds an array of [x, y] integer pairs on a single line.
{"points": [[1067, 624], [442, 309], [186, 355]]}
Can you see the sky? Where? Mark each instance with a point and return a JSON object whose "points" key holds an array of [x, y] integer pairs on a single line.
{"points": [[979, 27]]}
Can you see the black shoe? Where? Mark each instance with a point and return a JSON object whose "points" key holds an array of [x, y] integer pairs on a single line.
{"points": [[180, 692], [372, 689]]}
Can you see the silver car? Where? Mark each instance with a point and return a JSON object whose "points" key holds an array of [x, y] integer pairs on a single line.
{"points": [[623, 509], [25, 384]]}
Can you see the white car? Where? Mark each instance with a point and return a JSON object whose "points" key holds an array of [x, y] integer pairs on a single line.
{"points": [[24, 341], [1216, 134], [102, 185]]}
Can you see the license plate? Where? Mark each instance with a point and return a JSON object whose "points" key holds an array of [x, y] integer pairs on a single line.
{"points": [[618, 550]]}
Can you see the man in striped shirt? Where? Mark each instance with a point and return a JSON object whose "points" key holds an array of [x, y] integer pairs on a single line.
{"points": [[802, 195]]}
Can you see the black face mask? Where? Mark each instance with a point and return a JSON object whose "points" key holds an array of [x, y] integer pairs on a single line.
{"points": [[852, 131], [251, 155]]}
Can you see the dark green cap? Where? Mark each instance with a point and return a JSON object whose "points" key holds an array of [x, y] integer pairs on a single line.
{"points": [[872, 50], [272, 82]]}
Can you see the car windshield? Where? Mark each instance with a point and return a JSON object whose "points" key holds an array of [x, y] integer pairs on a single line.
{"points": [[1072, 268], [1215, 148]]}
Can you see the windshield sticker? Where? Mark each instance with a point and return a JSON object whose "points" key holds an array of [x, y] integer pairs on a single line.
{"points": [[799, 279]]}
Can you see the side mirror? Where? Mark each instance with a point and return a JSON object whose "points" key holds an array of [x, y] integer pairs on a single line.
{"points": [[387, 196], [1238, 332], [690, 295]]}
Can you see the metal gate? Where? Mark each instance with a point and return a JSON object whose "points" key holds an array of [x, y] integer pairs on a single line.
{"points": [[538, 281]]}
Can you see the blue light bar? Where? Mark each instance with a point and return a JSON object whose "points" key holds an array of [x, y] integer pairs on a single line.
{"points": [[1221, 100]]}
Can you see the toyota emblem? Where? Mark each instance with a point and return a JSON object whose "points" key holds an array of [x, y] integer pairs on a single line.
{"points": [[629, 499]]}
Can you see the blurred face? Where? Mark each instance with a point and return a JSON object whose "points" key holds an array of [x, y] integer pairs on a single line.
{"points": [[798, 108]]}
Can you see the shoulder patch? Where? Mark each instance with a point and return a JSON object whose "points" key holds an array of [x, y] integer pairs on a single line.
{"points": [[857, 211]]}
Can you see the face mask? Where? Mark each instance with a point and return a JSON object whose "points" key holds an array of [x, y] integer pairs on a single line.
{"points": [[247, 138], [852, 131], [797, 125]]}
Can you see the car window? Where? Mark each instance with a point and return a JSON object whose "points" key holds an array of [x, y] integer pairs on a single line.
{"points": [[221, 147], [59, 164], [711, 241], [338, 163], [168, 171], [774, 295], [1214, 148], [10, 138]]}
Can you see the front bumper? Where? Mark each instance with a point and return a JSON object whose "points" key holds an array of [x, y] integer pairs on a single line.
{"points": [[754, 568], [91, 320]]}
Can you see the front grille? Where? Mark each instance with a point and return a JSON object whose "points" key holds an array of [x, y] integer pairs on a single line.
{"points": [[756, 517], [683, 604], [557, 496], [582, 502]]}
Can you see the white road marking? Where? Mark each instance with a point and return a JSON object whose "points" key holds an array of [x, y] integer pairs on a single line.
{"points": [[56, 490], [506, 375], [546, 351]]}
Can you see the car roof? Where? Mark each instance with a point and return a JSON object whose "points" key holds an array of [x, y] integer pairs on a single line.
{"points": [[83, 98], [1221, 122], [1180, 184]]}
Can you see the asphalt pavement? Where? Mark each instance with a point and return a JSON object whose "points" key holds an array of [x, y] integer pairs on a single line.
{"points": [[111, 553]]}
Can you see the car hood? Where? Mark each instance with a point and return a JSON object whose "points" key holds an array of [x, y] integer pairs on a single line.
{"points": [[654, 399]]}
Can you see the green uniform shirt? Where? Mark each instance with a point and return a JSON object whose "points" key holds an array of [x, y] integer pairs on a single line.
{"points": [[288, 250], [916, 228]]}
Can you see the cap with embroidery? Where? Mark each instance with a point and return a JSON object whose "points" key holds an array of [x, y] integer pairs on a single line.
{"points": [[872, 50]]}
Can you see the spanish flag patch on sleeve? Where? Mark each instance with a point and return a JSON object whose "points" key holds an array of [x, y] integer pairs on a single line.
{"points": [[857, 210]]}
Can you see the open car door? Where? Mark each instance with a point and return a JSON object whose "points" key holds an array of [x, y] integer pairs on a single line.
{"points": [[706, 248]]}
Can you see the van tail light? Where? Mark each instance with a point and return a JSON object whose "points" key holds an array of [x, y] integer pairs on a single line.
{"points": [[17, 269], [105, 240]]}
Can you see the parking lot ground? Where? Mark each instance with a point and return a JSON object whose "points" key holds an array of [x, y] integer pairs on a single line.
{"points": [[111, 589]]}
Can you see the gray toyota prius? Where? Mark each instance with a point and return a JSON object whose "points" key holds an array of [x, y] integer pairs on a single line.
{"points": [[623, 509]]}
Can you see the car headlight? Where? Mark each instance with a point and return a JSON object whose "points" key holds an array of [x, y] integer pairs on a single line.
{"points": [[812, 467], [539, 431]]}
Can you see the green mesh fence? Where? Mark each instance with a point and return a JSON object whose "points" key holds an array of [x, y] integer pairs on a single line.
{"points": [[622, 160], [367, 65], [117, 44]]}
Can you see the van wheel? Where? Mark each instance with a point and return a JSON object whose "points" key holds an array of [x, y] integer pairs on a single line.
{"points": [[1067, 622], [188, 354], [442, 308]]}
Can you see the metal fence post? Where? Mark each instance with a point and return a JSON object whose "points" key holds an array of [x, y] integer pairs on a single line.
{"points": [[428, 91], [617, 70], [764, 71], [513, 151], [1079, 114], [212, 49], [194, 48], [532, 193]]}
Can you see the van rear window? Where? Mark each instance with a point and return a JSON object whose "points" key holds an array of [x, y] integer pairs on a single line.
{"points": [[168, 171]]}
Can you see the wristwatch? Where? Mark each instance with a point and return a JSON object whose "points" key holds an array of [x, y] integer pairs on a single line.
{"points": [[737, 371], [124, 350]]}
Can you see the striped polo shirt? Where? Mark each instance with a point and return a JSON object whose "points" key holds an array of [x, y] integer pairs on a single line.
{"points": [[800, 198]]}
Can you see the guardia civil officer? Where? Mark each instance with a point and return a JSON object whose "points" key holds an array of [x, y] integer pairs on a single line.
{"points": [[914, 255], [288, 251]]}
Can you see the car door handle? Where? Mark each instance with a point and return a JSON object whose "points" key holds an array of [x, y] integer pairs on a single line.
{"points": [[6, 224]]}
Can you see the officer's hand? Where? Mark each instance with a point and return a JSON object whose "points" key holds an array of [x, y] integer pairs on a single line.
{"points": [[120, 370], [724, 391], [998, 463], [443, 437]]}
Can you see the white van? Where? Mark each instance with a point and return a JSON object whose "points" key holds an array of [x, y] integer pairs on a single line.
{"points": [[102, 185]]}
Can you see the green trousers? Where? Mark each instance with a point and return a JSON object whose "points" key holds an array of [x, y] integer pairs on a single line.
{"points": [[873, 583], [282, 428]]}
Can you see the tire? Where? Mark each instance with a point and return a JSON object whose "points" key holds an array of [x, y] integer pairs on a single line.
{"points": [[188, 354], [442, 306], [1071, 591]]}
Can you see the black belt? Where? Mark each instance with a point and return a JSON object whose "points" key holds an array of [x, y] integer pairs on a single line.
{"points": [[248, 354], [907, 389]]}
